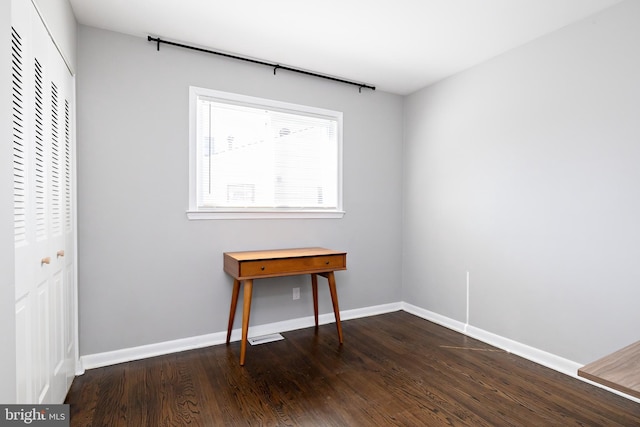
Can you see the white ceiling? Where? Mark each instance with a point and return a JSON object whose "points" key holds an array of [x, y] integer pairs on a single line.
{"points": [[398, 46]]}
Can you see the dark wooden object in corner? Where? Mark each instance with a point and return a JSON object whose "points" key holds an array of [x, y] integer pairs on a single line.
{"points": [[619, 370]]}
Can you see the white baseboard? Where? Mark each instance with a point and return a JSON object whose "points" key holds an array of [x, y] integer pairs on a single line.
{"points": [[114, 357], [533, 354], [541, 357], [98, 360], [434, 317]]}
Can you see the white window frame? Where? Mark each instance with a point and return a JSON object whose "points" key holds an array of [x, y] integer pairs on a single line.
{"points": [[197, 213]]}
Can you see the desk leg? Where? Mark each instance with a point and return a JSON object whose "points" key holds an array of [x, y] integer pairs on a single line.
{"points": [[234, 304], [314, 288], [246, 310], [334, 299]]}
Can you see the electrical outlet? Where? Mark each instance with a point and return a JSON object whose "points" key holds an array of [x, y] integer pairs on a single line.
{"points": [[296, 293]]}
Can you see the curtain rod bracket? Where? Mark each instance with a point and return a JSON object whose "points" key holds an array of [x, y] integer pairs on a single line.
{"points": [[256, 61], [157, 40]]}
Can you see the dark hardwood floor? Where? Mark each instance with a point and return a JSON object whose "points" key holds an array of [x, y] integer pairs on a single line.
{"points": [[393, 369]]}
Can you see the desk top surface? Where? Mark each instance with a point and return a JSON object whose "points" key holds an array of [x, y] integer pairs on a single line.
{"points": [[281, 253]]}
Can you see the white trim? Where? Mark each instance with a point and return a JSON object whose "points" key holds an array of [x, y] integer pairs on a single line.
{"points": [[533, 354], [195, 212], [66, 60], [375, 310], [108, 358], [74, 214], [195, 215], [98, 360], [434, 317], [540, 357]]}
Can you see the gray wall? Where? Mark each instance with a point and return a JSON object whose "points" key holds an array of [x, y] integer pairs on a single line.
{"points": [[146, 273], [525, 172]]}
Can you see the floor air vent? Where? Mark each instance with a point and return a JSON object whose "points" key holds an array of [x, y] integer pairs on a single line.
{"points": [[265, 339]]}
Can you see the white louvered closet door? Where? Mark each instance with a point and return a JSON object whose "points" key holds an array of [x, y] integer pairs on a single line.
{"points": [[42, 91]]}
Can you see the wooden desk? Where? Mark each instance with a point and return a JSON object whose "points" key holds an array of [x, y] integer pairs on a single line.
{"points": [[247, 266]]}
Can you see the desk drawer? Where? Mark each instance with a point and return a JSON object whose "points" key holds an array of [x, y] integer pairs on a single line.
{"points": [[291, 266]]}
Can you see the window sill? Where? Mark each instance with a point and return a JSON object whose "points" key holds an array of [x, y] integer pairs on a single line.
{"points": [[200, 215]]}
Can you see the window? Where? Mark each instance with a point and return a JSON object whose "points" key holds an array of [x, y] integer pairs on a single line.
{"points": [[258, 158]]}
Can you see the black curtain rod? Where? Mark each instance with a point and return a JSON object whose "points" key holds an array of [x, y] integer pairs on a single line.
{"points": [[275, 67]]}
